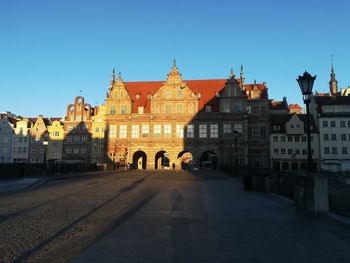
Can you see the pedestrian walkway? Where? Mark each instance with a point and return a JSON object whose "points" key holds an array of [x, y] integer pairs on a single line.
{"points": [[216, 221], [14, 185]]}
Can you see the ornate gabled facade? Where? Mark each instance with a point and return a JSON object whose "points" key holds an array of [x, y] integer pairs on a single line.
{"points": [[159, 124], [77, 132], [38, 135], [55, 140]]}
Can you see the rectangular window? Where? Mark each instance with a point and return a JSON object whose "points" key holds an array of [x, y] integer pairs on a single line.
{"points": [[283, 138], [42, 149], [69, 150], [145, 130], [55, 143], [24, 149], [113, 131], [290, 138], [179, 93], [124, 109], [123, 131], [168, 94], [333, 137], [290, 151], [167, 130], [78, 117], [326, 150], [304, 151], [332, 123], [84, 138], [97, 129], [214, 130], [83, 149], [283, 151], [69, 138], [76, 149], [69, 127], [325, 137], [112, 110], [303, 139], [56, 133], [275, 150], [343, 137], [238, 127], [208, 108], [296, 138], [325, 123], [157, 130], [342, 124], [227, 129], [202, 131], [168, 109], [179, 108], [76, 138], [134, 131], [190, 131], [275, 138], [33, 150], [140, 110], [19, 149], [20, 139], [344, 150], [334, 150], [179, 131], [297, 151]]}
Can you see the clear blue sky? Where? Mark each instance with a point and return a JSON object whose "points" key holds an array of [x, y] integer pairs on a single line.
{"points": [[50, 50]]}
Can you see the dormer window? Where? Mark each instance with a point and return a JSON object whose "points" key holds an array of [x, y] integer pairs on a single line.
{"points": [[276, 127], [140, 110], [208, 108]]}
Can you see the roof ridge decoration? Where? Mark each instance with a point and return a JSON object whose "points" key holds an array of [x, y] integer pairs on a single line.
{"points": [[174, 76]]}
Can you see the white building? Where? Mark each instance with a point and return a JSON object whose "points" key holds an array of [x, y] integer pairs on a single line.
{"points": [[288, 142], [333, 115], [6, 130], [20, 144]]}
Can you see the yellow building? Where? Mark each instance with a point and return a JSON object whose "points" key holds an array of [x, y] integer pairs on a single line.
{"points": [[55, 140], [98, 128]]}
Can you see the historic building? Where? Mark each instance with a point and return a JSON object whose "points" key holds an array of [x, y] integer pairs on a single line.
{"points": [[98, 129], [158, 124], [288, 146], [38, 139], [7, 125], [77, 132], [55, 140], [21, 138]]}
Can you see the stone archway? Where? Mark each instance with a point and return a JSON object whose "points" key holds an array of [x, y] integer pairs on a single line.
{"points": [[207, 160], [184, 160], [161, 160], [139, 160]]}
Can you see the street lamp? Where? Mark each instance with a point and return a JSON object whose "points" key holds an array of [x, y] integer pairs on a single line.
{"points": [[45, 143], [235, 134], [306, 82]]}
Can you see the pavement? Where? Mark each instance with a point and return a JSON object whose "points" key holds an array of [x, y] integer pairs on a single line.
{"points": [[216, 221]]}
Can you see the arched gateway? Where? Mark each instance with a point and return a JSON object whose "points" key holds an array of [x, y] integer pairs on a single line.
{"points": [[139, 160], [161, 160]]}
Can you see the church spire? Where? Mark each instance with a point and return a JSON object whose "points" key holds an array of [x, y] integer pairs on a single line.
{"points": [[333, 83], [242, 78], [232, 75]]}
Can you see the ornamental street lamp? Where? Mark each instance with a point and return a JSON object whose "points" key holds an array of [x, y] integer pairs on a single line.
{"points": [[235, 134], [306, 82]]}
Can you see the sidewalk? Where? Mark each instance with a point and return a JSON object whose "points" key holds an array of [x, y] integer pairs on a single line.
{"points": [[216, 221]]}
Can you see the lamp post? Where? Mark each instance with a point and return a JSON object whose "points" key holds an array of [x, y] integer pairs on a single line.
{"points": [[235, 134], [306, 82], [45, 143]]}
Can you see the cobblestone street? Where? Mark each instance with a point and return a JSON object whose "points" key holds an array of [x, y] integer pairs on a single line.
{"points": [[56, 221]]}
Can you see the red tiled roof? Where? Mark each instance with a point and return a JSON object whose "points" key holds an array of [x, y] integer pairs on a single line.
{"points": [[207, 88], [295, 106]]}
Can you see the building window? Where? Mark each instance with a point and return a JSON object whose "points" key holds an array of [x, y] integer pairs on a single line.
{"points": [[275, 150], [283, 138], [78, 117], [54, 143], [202, 131], [296, 138], [134, 131], [226, 107], [334, 150], [304, 151], [179, 93], [297, 151], [97, 129], [332, 123], [325, 137], [290, 138], [168, 94], [179, 131], [140, 110], [214, 130], [112, 131], [19, 149], [343, 137], [290, 151], [56, 133], [145, 131], [33, 150], [83, 149], [207, 108], [69, 127], [275, 138], [348, 123], [124, 109], [179, 108], [190, 131], [157, 130], [333, 137], [238, 127], [303, 138], [326, 150], [342, 124], [76, 149], [325, 123], [24, 149], [167, 130], [76, 138], [168, 109], [227, 129], [283, 151], [123, 131], [344, 150], [112, 110], [84, 138], [69, 150]]}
